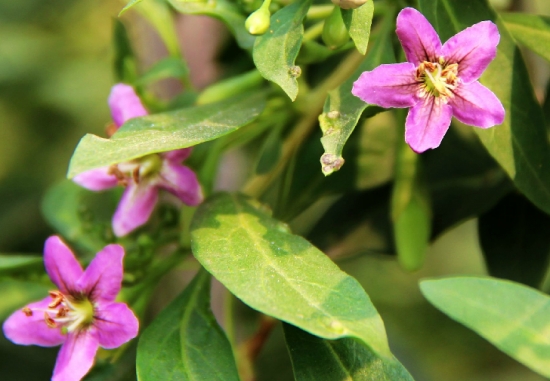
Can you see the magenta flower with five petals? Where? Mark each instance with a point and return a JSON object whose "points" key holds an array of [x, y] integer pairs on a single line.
{"points": [[438, 81], [82, 314], [142, 177]]}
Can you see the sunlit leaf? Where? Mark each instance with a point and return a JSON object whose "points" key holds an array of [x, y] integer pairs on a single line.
{"points": [[185, 342], [316, 359], [166, 131], [130, 4], [513, 317], [533, 31], [275, 51], [358, 22], [281, 274], [524, 153]]}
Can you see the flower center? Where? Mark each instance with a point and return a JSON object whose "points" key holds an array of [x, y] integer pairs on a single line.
{"points": [[437, 79], [65, 312], [138, 170]]}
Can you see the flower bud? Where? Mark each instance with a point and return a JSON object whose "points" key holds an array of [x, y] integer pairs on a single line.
{"points": [[335, 33], [258, 21], [349, 4]]}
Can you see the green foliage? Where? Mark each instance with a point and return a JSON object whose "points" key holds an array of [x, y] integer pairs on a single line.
{"points": [[342, 110], [166, 131], [281, 274], [524, 153], [358, 22], [275, 52], [316, 359], [532, 31], [224, 10], [185, 342], [511, 316]]}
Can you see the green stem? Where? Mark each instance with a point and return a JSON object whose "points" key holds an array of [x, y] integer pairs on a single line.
{"points": [[314, 31], [256, 186], [319, 12]]}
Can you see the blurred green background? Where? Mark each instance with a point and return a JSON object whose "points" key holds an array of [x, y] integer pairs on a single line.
{"points": [[55, 75]]}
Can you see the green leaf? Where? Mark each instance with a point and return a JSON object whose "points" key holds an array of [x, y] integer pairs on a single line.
{"points": [[130, 4], [532, 31], [166, 131], [342, 109], [358, 21], [81, 216], [124, 62], [316, 359], [224, 10], [281, 274], [515, 240], [275, 51], [522, 152], [185, 342], [16, 294], [513, 317], [475, 184], [170, 67], [19, 263]]}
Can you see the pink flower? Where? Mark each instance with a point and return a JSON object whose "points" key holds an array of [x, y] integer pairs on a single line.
{"points": [[437, 82], [82, 315], [142, 177]]}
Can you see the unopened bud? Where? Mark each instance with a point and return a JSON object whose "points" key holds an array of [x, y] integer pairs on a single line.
{"points": [[349, 4], [258, 21], [335, 33]]}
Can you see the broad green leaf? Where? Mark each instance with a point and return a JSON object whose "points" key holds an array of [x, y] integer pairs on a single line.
{"points": [[523, 152], [281, 274], [342, 110], [224, 10], [533, 31], [515, 240], [130, 4], [170, 67], [81, 216], [275, 51], [166, 131], [513, 317], [185, 342], [19, 263], [316, 359], [358, 21]]}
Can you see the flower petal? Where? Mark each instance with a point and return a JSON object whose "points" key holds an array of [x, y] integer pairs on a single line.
{"points": [[182, 182], [417, 36], [125, 104], [32, 330], [179, 155], [426, 124], [96, 179], [114, 325], [76, 357], [390, 85], [472, 49], [61, 265], [476, 105], [135, 207], [103, 277]]}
